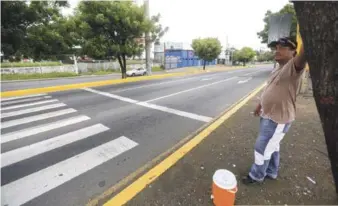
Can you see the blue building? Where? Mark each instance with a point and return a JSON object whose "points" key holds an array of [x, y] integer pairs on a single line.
{"points": [[177, 58]]}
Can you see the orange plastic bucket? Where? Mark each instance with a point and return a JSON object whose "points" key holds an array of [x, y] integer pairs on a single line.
{"points": [[224, 188]]}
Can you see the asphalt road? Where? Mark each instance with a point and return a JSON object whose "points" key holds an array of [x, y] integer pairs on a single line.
{"points": [[29, 84], [65, 148]]}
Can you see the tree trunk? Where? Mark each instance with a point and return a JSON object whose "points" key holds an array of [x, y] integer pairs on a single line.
{"points": [[123, 67], [124, 72], [204, 62], [318, 23]]}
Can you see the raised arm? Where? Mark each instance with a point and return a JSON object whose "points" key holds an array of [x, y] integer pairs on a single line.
{"points": [[300, 60]]}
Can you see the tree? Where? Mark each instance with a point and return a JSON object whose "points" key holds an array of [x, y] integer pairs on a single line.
{"points": [[207, 49], [265, 56], [19, 18], [15, 18], [113, 28], [47, 40], [318, 28], [287, 9], [244, 55]]}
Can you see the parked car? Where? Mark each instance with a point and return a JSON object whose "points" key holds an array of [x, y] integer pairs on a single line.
{"points": [[137, 72]]}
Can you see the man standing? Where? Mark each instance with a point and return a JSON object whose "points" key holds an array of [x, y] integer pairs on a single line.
{"points": [[277, 109]]}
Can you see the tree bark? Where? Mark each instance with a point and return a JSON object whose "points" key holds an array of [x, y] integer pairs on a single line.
{"points": [[124, 72], [123, 66], [204, 62], [318, 23]]}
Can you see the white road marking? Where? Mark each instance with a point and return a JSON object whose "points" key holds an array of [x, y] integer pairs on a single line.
{"points": [[21, 97], [31, 110], [38, 183], [32, 150], [24, 100], [244, 81], [252, 72], [206, 79], [175, 111], [125, 99], [151, 85], [29, 104], [153, 106], [41, 128], [167, 82], [38, 117], [192, 89]]}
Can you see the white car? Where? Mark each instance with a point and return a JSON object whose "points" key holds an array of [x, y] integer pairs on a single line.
{"points": [[137, 72]]}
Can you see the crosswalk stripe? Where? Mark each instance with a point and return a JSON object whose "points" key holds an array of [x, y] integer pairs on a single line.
{"points": [[41, 128], [38, 117], [21, 97], [32, 150], [29, 104], [24, 100], [37, 109], [38, 183]]}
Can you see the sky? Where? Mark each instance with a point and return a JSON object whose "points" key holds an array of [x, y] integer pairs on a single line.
{"points": [[235, 20]]}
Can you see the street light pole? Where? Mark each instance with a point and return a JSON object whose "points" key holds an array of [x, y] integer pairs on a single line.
{"points": [[147, 39]]}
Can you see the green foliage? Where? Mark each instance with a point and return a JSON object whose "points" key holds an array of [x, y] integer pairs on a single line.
{"points": [[244, 55], [287, 9], [37, 76], [207, 49], [15, 18], [112, 28], [265, 56], [28, 28], [29, 64], [103, 30]]}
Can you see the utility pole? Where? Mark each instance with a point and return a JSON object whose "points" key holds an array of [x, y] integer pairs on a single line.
{"points": [[164, 58], [147, 39]]}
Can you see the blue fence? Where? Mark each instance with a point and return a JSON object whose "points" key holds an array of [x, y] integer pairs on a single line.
{"points": [[183, 58]]}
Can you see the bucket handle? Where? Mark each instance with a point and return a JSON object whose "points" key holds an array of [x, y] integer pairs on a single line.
{"points": [[233, 190]]}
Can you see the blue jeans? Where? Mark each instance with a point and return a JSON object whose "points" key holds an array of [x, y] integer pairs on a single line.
{"points": [[267, 149]]}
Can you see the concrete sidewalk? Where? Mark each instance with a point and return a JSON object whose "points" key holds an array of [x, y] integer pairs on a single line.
{"points": [[230, 146]]}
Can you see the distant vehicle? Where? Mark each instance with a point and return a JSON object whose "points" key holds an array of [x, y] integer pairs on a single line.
{"points": [[137, 72]]}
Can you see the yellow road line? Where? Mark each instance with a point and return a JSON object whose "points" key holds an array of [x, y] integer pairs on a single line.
{"points": [[137, 186]]}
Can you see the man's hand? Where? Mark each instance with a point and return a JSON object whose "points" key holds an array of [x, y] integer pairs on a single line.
{"points": [[257, 111]]}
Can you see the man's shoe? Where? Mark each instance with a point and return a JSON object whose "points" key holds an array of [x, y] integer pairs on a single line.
{"points": [[270, 178], [248, 180]]}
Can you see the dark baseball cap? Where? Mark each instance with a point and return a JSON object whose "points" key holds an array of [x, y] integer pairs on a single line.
{"points": [[285, 41]]}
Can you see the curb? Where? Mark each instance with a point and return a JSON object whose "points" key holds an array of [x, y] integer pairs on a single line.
{"points": [[167, 159]]}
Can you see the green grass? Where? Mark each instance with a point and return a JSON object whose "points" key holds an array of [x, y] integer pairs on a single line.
{"points": [[29, 64], [101, 72], [156, 69], [37, 76], [135, 61]]}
